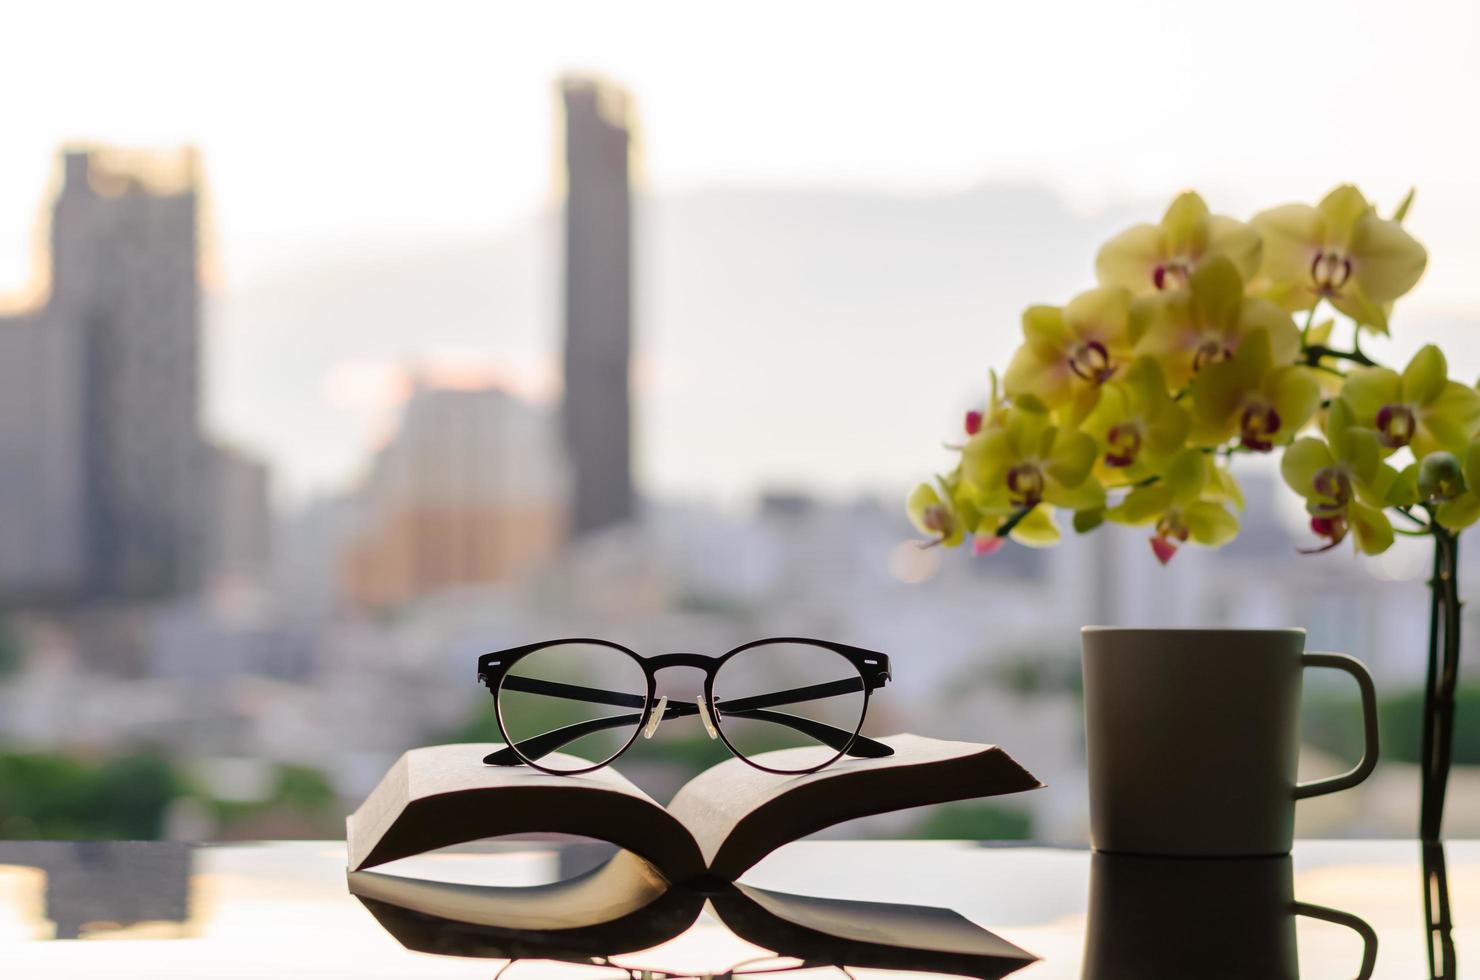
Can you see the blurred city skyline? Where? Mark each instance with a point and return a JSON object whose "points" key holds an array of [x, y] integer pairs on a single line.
{"points": [[383, 289], [385, 194]]}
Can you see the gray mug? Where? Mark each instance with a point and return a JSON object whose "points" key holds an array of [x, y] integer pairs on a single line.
{"points": [[1193, 736]]}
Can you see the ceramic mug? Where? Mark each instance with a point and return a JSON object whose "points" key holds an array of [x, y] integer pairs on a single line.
{"points": [[1193, 736], [1154, 918]]}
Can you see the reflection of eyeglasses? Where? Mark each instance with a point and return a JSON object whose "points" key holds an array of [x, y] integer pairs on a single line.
{"points": [[743, 969], [594, 697]]}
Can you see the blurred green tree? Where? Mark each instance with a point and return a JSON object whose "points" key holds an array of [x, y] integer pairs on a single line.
{"points": [[56, 797], [975, 821]]}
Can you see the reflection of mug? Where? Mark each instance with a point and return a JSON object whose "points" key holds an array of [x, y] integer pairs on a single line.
{"points": [[1151, 918], [1193, 737]]}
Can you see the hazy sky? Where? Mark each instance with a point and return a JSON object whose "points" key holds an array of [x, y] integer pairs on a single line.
{"points": [[325, 124]]}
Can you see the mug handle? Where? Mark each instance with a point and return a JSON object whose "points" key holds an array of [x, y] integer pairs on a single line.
{"points": [[1363, 769], [1352, 922]]}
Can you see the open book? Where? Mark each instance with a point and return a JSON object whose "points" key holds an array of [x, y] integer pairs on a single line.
{"points": [[622, 907], [719, 824]]}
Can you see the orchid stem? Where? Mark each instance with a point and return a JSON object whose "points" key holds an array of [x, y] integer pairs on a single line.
{"points": [[1314, 354], [1013, 521], [1409, 514], [1443, 670], [1310, 319]]}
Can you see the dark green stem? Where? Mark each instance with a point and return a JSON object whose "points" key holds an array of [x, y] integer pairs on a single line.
{"points": [[1442, 676], [1409, 514], [1314, 354], [1442, 965], [1013, 521]]}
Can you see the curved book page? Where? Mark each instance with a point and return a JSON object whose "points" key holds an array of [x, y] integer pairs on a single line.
{"points": [[443, 794], [622, 906], [739, 814], [718, 825], [563, 921], [871, 935]]}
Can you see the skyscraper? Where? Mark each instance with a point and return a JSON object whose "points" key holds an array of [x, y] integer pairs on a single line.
{"points": [[472, 489], [100, 442], [598, 304]]}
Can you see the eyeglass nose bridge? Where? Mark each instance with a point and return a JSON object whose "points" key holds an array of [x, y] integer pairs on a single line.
{"points": [[698, 660]]}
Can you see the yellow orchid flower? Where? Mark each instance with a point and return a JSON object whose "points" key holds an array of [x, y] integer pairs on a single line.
{"points": [[1070, 351], [1204, 324], [1252, 399], [1136, 424], [1344, 482], [1184, 505], [1339, 251], [1008, 472], [933, 515], [1149, 259], [1420, 408]]}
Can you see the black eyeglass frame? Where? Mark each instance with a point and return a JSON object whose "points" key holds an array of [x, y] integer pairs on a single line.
{"points": [[872, 666]]}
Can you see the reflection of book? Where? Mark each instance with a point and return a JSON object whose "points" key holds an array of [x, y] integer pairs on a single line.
{"points": [[719, 824], [619, 908]]}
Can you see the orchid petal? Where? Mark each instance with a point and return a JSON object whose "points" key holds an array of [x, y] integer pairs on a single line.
{"points": [[1217, 293], [1343, 208], [1284, 336], [1209, 523], [1448, 422], [1295, 395], [1367, 389], [1460, 512], [1087, 495], [1425, 375], [1070, 457], [1185, 476], [1370, 526], [1142, 505], [1362, 453], [1099, 314], [1030, 374], [1044, 330], [1386, 261], [1302, 460], [1293, 234], [1130, 259], [1185, 225], [1037, 529], [986, 457], [1237, 240]]}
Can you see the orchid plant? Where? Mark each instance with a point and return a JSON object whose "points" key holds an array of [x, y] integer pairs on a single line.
{"points": [[1208, 338]]}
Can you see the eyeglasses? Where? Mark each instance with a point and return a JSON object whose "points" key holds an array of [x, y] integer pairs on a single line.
{"points": [[594, 697]]}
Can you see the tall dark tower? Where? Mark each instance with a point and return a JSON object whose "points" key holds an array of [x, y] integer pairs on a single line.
{"points": [[598, 304]]}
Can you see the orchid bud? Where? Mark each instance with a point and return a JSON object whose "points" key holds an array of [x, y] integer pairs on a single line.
{"points": [[1440, 477]]}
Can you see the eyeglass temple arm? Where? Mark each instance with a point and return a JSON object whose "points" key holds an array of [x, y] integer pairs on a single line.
{"points": [[751, 708], [595, 695]]}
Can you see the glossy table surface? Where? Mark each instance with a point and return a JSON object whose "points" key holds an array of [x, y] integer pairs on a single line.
{"points": [[284, 910]]}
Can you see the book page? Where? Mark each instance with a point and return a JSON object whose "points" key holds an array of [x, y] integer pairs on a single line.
{"points": [[738, 814], [619, 887], [444, 794], [870, 935]]}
